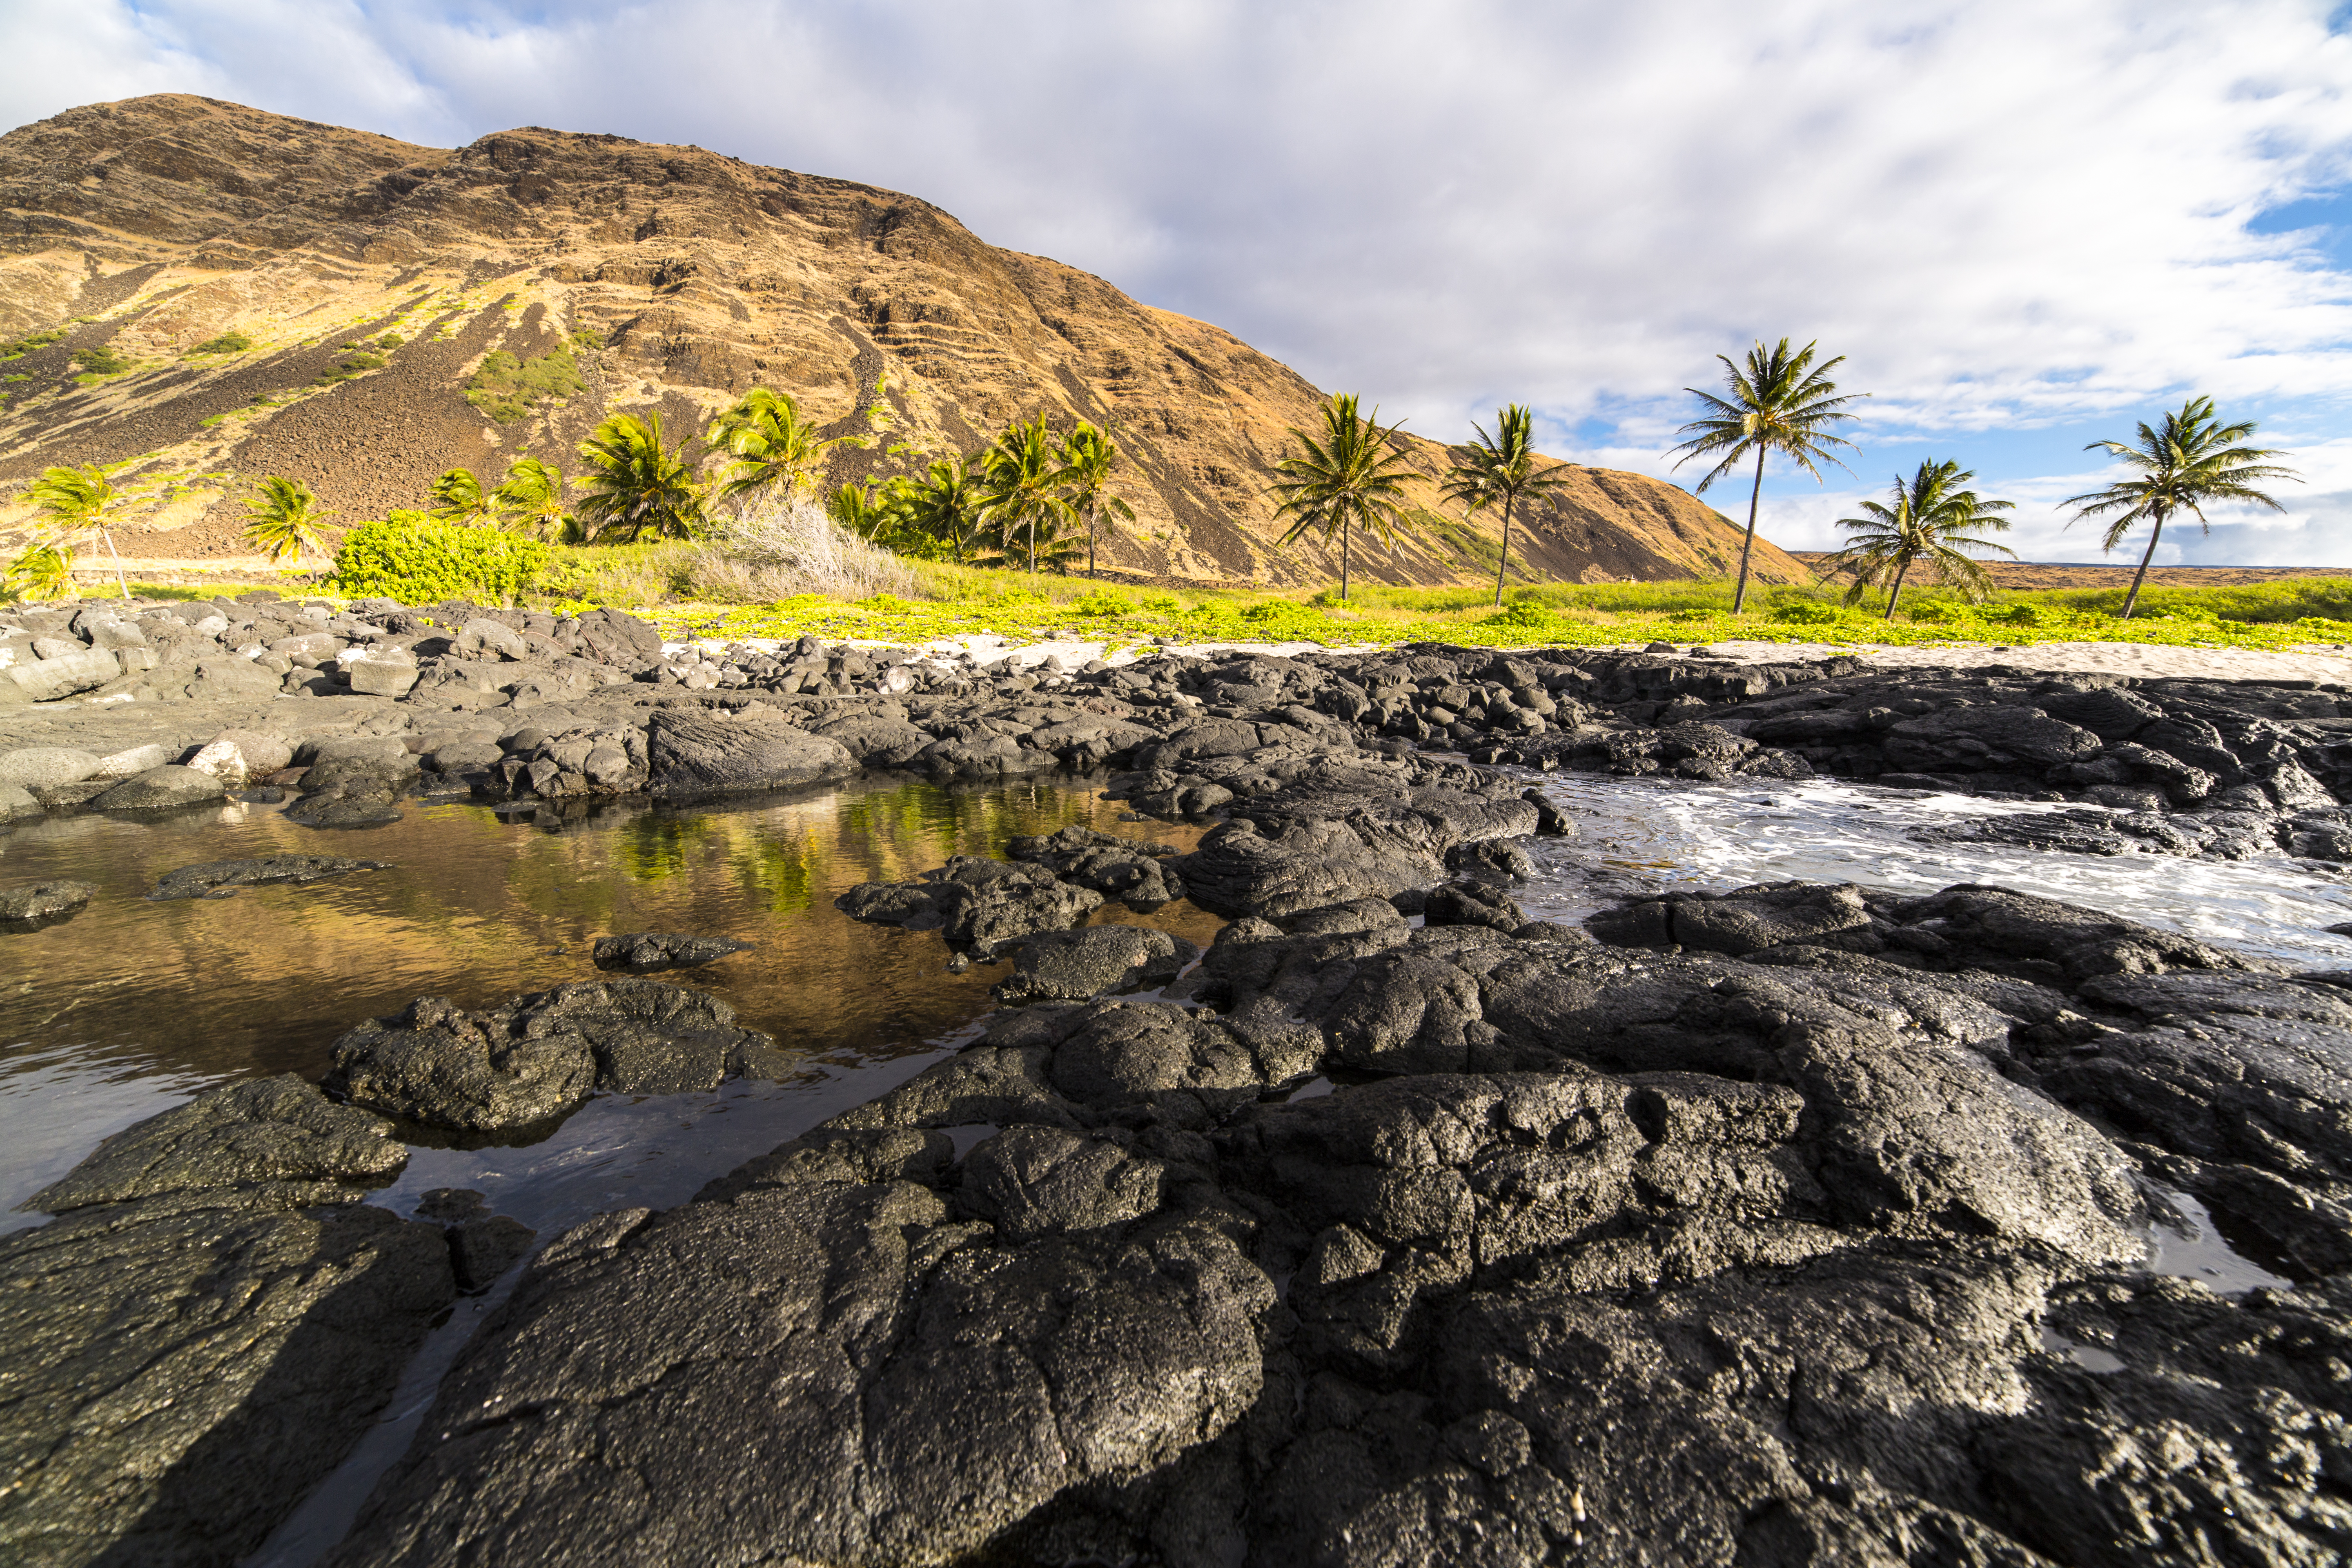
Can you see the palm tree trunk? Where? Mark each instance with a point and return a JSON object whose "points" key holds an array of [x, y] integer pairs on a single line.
{"points": [[2140, 576], [1748, 547], [1896, 592], [1091, 509], [125, 582], [1343, 560], [1505, 564]]}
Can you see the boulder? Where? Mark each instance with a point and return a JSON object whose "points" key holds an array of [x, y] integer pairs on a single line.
{"points": [[44, 903], [47, 679], [161, 789], [696, 756], [28, 766], [221, 878], [122, 764], [642, 953], [380, 676], [271, 1130], [1033, 1181], [1074, 966], [525, 1063], [16, 801], [238, 756], [1745, 919]]}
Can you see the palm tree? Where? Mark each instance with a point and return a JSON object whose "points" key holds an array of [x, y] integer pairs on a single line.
{"points": [[635, 484], [1781, 403], [84, 500], [459, 498], [1022, 475], [1344, 481], [948, 503], [282, 519], [531, 501], [772, 444], [2190, 463], [42, 571], [1502, 467], [1087, 456], [1928, 524]]}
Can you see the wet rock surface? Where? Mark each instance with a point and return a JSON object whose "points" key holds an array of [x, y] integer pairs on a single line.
{"points": [[221, 878], [646, 952], [40, 904], [526, 1064], [1788, 1224]]}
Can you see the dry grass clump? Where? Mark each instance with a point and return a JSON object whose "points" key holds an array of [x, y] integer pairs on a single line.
{"points": [[784, 548]]}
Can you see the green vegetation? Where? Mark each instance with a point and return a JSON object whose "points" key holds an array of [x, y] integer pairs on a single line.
{"points": [[1781, 403], [1502, 467], [636, 485], [508, 389], [532, 502], [416, 560], [17, 348], [2193, 462], [1928, 525], [1089, 456], [355, 361], [1343, 481], [84, 501], [282, 519], [459, 498], [226, 343], [774, 447], [98, 363], [44, 571], [1022, 477]]}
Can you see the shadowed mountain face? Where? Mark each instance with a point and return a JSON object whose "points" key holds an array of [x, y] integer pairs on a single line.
{"points": [[537, 280]]}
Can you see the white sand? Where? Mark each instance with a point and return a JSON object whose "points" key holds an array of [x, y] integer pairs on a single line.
{"points": [[2320, 661]]}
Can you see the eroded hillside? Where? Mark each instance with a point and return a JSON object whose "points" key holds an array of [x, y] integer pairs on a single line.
{"points": [[229, 293]]}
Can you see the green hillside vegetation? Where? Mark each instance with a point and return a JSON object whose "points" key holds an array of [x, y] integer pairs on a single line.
{"points": [[508, 389]]}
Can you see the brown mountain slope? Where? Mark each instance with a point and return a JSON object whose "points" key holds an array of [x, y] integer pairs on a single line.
{"points": [[673, 279]]}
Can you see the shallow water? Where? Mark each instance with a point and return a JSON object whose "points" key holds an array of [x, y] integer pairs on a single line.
{"points": [[131, 1007], [1638, 835]]}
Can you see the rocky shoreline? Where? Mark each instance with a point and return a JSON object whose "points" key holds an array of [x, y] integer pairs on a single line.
{"points": [[1795, 1222]]}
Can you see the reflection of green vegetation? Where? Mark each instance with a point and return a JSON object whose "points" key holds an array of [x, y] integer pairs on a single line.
{"points": [[790, 872], [654, 846]]}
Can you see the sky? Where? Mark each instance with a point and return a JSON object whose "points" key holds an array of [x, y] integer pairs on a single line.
{"points": [[2025, 225]]}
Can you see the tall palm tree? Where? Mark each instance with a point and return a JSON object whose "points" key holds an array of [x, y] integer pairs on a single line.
{"points": [[1088, 455], [1779, 402], [949, 504], [459, 498], [772, 444], [85, 500], [1021, 476], [1928, 522], [531, 500], [282, 519], [635, 485], [2190, 462], [1502, 467], [1348, 480]]}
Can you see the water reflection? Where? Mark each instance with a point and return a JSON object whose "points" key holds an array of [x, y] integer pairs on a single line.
{"points": [[132, 1005]]}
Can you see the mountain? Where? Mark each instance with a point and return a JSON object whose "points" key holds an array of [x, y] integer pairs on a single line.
{"points": [[219, 290]]}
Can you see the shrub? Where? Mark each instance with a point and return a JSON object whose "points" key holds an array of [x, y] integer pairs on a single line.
{"points": [[1524, 614], [1805, 613], [226, 343], [100, 361], [780, 549], [416, 560], [507, 388], [17, 348]]}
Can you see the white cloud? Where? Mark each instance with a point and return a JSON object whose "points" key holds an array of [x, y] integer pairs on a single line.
{"points": [[2008, 216]]}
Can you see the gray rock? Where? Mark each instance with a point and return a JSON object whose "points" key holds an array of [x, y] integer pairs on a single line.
{"points": [[380, 676], [44, 903], [1115, 868], [1033, 1181], [16, 801], [1744, 921], [237, 755], [45, 765], [694, 755], [642, 953], [482, 1250], [1073, 966], [47, 679], [122, 764], [1472, 903], [221, 878], [933, 1391], [534, 1059], [183, 1369], [271, 1130], [485, 636], [161, 789]]}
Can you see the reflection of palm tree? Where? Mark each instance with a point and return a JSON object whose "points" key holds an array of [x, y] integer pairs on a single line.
{"points": [[655, 846]]}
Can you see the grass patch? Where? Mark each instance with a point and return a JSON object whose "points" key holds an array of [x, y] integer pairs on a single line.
{"points": [[507, 388], [226, 343], [100, 363], [17, 348]]}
